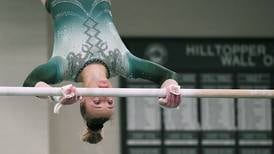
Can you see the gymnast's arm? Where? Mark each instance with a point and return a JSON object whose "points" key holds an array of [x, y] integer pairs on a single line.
{"points": [[141, 68], [49, 73]]}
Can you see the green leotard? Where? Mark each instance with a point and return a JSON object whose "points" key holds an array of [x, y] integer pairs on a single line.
{"points": [[83, 34]]}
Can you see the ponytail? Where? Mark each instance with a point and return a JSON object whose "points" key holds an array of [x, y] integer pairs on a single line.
{"points": [[94, 128], [92, 137]]}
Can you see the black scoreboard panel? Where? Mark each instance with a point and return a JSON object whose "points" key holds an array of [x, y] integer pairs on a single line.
{"points": [[202, 125]]}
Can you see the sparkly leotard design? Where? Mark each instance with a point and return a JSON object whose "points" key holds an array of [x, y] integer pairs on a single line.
{"points": [[84, 33]]}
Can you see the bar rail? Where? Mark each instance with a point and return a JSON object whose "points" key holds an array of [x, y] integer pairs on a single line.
{"points": [[139, 92]]}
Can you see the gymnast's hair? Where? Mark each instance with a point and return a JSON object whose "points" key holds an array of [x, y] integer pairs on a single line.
{"points": [[92, 134]]}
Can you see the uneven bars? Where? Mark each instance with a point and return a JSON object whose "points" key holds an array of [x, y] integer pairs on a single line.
{"points": [[138, 92]]}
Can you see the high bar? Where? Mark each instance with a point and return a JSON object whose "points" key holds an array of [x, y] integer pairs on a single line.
{"points": [[139, 92]]}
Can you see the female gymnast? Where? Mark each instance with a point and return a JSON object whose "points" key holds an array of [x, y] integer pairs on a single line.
{"points": [[88, 49]]}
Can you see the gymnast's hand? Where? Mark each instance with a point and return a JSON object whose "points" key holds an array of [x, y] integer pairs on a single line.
{"points": [[173, 94], [69, 95]]}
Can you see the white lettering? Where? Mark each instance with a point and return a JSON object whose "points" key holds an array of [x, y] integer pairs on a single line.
{"points": [[243, 55], [199, 50], [237, 61], [218, 49], [190, 50], [226, 49], [209, 51], [261, 50], [226, 60]]}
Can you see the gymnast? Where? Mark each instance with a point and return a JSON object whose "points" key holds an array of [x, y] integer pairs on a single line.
{"points": [[87, 49]]}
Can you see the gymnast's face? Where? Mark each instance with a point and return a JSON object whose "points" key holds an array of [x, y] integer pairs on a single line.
{"points": [[101, 106]]}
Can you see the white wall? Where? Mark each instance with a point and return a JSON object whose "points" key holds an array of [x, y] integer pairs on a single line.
{"points": [[23, 45]]}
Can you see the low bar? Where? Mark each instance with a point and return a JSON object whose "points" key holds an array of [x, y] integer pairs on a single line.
{"points": [[139, 92]]}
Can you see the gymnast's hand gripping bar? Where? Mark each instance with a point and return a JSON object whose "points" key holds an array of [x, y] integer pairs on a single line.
{"points": [[139, 92]]}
